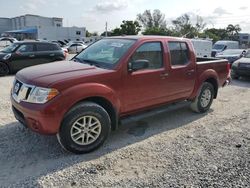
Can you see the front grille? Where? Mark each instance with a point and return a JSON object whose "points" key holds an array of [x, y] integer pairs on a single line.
{"points": [[244, 65], [21, 91]]}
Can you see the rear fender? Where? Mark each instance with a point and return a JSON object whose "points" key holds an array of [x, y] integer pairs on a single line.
{"points": [[209, 74]]}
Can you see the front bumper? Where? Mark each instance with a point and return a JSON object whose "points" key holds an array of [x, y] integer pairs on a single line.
{"points": [[44, 119], [241, 71]]}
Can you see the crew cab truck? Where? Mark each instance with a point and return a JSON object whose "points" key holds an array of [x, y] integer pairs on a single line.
{"points": [[82, 100]]}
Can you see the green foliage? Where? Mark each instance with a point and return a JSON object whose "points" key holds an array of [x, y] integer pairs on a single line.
{"points": [[127, 28], [154, 23], [184, 28], [157, 31], [152, 20], [88, 34]]}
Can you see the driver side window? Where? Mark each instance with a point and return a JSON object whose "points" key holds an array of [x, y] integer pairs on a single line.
{"points": [[25, 48], [152, 52]]}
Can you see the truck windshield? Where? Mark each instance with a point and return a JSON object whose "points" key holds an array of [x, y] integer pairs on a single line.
{"points": [[218, 46], [105, 53], [11, 48]]}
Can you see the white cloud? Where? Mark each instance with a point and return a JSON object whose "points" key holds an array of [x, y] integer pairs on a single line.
{"points": [[220, 11], [110, 6], [243, 8]]}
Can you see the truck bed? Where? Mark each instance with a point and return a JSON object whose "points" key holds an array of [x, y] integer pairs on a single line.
{"points": [[210, 64]]}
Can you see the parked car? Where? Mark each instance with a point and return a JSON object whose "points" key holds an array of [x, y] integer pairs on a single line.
{"points": [[241, 67], [231, 54], [81, 100], [76, 47], [6, 41], [203, 48], [24, 54], [222, 45]]}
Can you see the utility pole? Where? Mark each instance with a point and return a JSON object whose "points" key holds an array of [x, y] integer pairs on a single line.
{"points": [[106, 29]]}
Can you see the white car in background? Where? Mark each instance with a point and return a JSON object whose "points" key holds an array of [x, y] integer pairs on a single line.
{"points": [[76, 47]]}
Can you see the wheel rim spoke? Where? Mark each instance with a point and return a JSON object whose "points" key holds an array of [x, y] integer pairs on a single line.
{"points": [[85, 130], [206, 98]]}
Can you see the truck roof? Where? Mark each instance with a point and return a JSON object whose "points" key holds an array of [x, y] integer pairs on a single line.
{"points": [[145, 37]]}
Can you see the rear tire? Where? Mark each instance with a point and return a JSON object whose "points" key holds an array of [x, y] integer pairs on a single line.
{"points": [[204, 99], [84, 128], [4, 69]]}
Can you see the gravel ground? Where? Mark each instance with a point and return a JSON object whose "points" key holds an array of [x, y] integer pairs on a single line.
{"points": [[172, 148]]}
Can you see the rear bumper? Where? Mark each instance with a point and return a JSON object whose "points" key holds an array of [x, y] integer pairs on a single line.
{"points": [[227, 82], [36, 117]]}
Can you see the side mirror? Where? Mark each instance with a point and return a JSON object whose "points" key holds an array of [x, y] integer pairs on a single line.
{"points": [[18, 53], [138, 65]]}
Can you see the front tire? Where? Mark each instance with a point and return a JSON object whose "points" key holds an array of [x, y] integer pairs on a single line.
{"points": [[203, 101], [4, 69], [84, 128]]}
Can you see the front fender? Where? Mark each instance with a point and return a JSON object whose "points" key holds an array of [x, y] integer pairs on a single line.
{"points": [[77, 93]]}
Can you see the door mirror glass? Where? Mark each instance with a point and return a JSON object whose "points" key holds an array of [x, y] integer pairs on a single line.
{"points": [[138, 65]]}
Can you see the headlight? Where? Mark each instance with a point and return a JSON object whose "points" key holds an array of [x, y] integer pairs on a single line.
{"points": [[42, 95], [235, 64], [7, 56]]}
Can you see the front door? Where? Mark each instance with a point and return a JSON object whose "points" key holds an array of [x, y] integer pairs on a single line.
{"points": [[23, 57], [145, 87]]}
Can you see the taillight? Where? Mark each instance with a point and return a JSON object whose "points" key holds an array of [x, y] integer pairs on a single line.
{"points": [[228, 70], [228, 67]]}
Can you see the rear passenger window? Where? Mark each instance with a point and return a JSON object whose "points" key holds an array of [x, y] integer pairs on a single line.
{"points": [[151, 51], [179, 53], [54, 47], [42, 47]]}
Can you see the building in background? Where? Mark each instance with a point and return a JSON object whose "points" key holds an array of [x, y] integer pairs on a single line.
{"points": [[244, 40], [38, 27]]}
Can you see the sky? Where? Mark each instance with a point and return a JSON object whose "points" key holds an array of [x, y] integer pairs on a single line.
{"points": [[93, 14]]}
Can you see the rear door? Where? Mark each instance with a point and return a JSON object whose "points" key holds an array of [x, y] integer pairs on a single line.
{"points": [[43, 53], [144, 88], [182, 70]]}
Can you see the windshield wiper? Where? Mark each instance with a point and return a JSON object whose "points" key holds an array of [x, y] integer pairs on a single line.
{"points": [[91, 62], [76, 59]]}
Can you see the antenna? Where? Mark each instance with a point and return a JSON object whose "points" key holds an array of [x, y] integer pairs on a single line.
{"points": [[106, 29]]}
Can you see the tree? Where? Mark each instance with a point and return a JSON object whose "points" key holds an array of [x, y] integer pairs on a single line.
{"points": [[126, 28], [157, 31], [88, 34], [184, 28], [130, 27], [233, 31], [152, 20]]}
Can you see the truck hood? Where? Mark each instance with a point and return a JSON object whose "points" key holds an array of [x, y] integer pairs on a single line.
{"points": [[244, 60], [44, 75]]}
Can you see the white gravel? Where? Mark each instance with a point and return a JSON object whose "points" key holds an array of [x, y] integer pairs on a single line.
{"points": [[174, 148]]}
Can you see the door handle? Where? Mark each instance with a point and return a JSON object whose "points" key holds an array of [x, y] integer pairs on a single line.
{"points": [[190, 72], [32, 55], [51, 55], [164, 75]]}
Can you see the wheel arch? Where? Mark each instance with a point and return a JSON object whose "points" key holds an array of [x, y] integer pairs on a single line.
{"points": [[214, 82], [106, 104]]}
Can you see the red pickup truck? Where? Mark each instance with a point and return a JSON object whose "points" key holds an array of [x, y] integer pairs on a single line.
{"points": [[82, 100]]}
